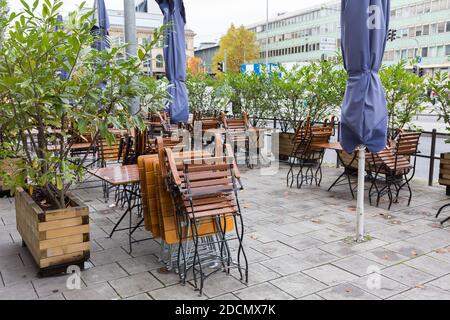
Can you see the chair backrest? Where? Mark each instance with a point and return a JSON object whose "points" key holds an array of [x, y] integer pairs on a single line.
{"points": [[407, 143], [235, 124], [115, 151]]}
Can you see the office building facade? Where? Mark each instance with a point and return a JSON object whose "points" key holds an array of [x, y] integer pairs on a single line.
{"points": [[422, 29]]}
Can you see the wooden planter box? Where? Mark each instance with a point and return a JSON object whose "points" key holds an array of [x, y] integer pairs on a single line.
{"points": [[444, 171], [285, 145], [56, 238]]}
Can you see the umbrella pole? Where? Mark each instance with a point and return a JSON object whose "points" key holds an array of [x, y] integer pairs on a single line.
{"points": [[360, 199]]}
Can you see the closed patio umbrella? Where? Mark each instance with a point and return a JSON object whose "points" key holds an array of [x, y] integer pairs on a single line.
{"points": [[364, 29], [175, 58], [101, 27]]}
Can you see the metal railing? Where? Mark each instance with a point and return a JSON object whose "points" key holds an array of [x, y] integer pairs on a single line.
{"points": [[432, 157]]}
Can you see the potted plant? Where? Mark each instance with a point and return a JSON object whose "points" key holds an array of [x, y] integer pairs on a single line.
{"points": [[55, 88], [405, 95], [440, 95]]}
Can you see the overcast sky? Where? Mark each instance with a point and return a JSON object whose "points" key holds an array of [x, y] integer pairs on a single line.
{"points": [[211, 18]]}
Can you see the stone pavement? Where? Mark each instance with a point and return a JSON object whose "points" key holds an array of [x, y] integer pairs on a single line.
{"points": [[299, 244]]}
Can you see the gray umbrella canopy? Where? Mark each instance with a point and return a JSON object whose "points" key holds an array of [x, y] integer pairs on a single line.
{"points": [[175, 58], [365, 25]]}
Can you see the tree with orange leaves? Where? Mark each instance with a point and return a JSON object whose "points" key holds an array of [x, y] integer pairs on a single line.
{"points": [[195, 66]]}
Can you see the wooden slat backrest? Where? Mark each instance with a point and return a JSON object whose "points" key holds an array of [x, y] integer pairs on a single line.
{"points": [[407, 143], [235, 124]]}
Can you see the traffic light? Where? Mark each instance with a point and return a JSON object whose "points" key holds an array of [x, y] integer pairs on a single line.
{"points": [[392, 34], [415, 69], [421, 72], [220, 66]]}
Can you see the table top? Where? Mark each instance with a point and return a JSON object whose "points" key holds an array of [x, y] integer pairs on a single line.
{"points": [[330, 145], [118, 175]]}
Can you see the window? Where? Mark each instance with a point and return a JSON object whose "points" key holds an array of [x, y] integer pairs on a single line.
{"points": [[443, 5], [412, 32], [433, 28], [427, 7], [418, 31], [426, 30], [432, 52], [440, 51], [159, 61], [425, 52], [447, 50], [435, 5], [411, 53], [403, 56], [441, 27], [448, 27]]}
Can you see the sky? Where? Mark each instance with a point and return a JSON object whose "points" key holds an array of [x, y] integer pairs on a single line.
{"points": [[210, 19]]}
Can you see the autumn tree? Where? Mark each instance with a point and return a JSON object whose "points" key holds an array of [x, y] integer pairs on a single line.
{"points": [[195, 65], [241, 48]]}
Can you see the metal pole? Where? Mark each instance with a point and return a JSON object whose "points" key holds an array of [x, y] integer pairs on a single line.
{"points": [[131, 40], [360, 200], [432, 156], [267, 34], [225, 60]]}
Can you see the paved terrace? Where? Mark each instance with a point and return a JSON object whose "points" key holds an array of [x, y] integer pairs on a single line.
{"points": [[298, 243]]}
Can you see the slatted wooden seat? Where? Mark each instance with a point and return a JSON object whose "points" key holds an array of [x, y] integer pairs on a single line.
{"points": [[396, 166], [306, 151]]}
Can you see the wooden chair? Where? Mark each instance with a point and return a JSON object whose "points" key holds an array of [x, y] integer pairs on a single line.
{"points": [[237, 134], [395, 167], [306, 153], [204, 191]]}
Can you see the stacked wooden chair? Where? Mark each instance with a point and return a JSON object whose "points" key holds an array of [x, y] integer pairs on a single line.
{"points": [[237, 134], [394, 168], [204, 192], [308, 153]]}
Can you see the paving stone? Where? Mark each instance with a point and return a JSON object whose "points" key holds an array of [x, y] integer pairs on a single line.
{"points": [[442, 254], [19, 275], [226, 297], [301, 227], [140, 297], [108, 256], [286, 265], [314, 257], [264, 291], [102, 274], [53, 297], [10, 262], [298, 285], [221, 283], [257, 273], [274, 249], [384, 257], [21, 291], [97, 292], [177, 292], [52, 285], [387, 287], [346, 291], [311, 297], [327, 235], [357, 265], [442, 283], [426, 292], [302, 242], [330, 275], [430, 265], [140, 264], [136, 284], [407, 275]]}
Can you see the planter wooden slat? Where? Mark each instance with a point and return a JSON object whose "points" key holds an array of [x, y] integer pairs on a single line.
{"points": [[54, 238]]}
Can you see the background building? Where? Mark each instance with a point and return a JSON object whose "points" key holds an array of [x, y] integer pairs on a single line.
{"points": [[206, 51], [148, 19], [423, 28]]}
